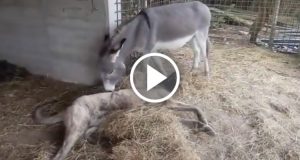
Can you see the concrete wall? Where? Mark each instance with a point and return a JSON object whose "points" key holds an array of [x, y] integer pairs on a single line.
{"points": [[57, 38]]}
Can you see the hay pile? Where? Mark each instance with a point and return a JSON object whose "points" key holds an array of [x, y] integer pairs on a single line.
{"points": [[151, 134]]}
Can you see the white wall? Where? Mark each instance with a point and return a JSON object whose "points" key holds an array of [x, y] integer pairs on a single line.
{"points": [[58, 38]]}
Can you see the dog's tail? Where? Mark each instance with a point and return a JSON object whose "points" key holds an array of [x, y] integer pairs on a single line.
{"points": [[38, 117]]}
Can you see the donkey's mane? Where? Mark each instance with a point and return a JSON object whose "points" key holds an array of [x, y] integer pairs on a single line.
{"points": [[119, 28], [142, 13]]}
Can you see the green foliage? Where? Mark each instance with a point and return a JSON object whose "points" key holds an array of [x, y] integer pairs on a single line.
{"points": [[218, 21]]}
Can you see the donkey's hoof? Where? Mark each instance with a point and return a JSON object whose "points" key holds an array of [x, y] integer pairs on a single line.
{"points": [[207, 75], [195, 71]]}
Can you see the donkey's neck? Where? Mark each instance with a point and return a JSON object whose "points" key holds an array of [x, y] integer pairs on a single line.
{"points": [[127, 32]]}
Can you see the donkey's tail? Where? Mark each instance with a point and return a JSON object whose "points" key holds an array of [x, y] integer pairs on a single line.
{"points": [[39, 118]]}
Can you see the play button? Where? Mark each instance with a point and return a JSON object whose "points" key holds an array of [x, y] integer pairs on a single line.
{"points": [[154, 77]]}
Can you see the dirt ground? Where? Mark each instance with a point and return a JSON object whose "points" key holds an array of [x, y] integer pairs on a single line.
{"points": [[252, 99]]}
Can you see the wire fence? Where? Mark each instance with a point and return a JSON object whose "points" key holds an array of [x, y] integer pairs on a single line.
{"points": [[272, 23]]}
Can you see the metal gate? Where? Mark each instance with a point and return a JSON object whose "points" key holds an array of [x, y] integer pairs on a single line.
{"points": [[267, 22]]}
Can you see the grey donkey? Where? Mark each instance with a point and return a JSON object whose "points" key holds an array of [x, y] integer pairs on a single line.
{"points": [[87, 112], [164, 27]]}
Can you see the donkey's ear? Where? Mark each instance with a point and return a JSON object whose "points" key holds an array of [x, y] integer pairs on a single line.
{"points": [[106, 37], [122, 41]]}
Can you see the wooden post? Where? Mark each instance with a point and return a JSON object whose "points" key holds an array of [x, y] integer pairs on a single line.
{"points": [[274, 22], [113, 12], [261, 19], [143, 4]]}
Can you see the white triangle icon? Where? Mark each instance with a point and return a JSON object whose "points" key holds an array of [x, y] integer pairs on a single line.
{"points": [[153, 77]]}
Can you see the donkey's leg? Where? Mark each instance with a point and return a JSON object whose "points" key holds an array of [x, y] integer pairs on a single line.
{"points": [[196, 51], [202, 40], [158, 63]]}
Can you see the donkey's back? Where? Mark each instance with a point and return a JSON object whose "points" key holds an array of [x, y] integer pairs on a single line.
{"points": [[178, 20]]}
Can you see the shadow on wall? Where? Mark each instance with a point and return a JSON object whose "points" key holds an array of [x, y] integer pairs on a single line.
{"points": [[57, 38], [10, 72]]}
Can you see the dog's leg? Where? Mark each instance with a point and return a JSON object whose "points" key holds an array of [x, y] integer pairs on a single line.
{"points": [[186, 107], [198, 125], [202, 123], [88, 133], [195, 110], [71, 137], [76, 120]]}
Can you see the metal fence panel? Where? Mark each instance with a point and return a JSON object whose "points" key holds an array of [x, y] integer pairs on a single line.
{"points": [[255, 15]]}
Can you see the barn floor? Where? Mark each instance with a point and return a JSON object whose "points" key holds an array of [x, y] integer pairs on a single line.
{"points": [[252, 99]]}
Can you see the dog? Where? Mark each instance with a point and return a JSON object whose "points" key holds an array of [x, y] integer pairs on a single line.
{"points": [[87, 112]]}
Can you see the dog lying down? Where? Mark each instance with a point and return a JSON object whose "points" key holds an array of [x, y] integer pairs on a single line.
{"points": [[86, 113]]}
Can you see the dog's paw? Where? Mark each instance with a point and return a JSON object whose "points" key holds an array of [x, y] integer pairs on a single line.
{"points": [[205, 128], [209, 130]]}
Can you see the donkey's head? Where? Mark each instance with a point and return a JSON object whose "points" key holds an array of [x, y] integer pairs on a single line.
{"points": [[112, 67]]}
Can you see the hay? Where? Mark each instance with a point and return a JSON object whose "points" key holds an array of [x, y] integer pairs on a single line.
{"points": [[252, 100], [151, 134]]}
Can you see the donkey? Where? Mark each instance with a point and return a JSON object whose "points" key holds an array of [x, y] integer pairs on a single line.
{"points": [[164, 27]]}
